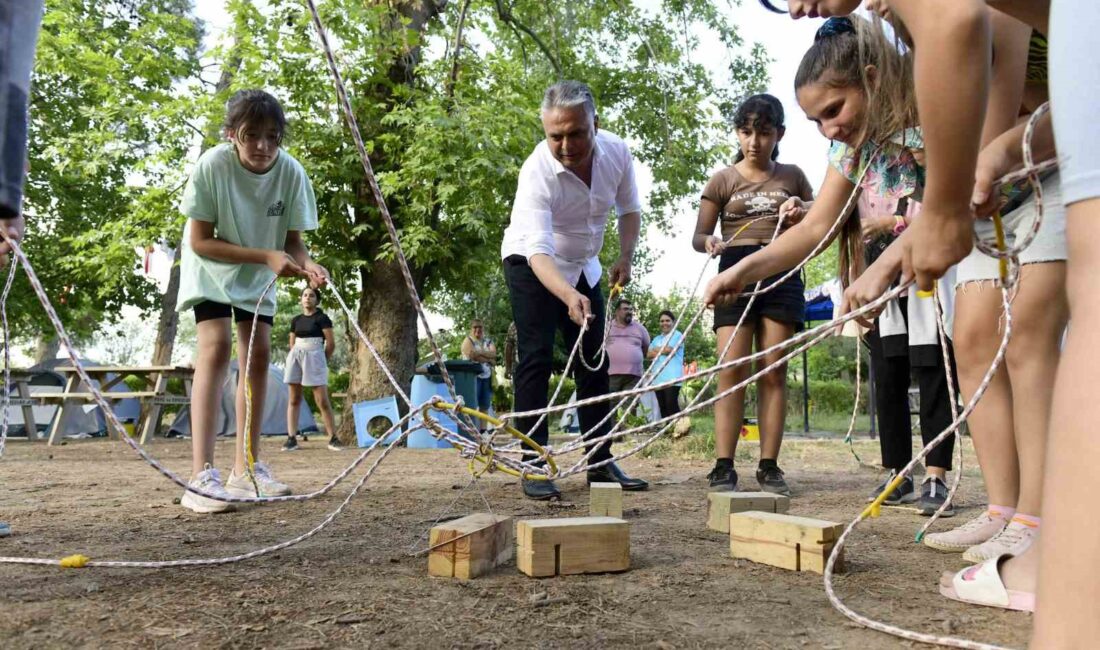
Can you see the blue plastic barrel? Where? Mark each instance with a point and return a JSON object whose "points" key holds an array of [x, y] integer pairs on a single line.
{"points": [[423, 389], [426, 383]]}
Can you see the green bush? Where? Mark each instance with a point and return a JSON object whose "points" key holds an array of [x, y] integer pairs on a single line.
{"points": [[566, 390]]}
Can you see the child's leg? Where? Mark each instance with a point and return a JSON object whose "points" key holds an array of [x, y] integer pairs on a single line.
{"points": [[771, 400], [977, 334], [258, 369], [320, 395], [895, 430], [293, 408], [936, 414], [729, 412], [211, 364], [1039, 315]]}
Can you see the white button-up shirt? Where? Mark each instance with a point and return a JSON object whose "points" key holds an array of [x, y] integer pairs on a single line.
{"points": [[556, 214]]}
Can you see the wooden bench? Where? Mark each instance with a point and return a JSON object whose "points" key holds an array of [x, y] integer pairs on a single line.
{"points": [[88, 397]]}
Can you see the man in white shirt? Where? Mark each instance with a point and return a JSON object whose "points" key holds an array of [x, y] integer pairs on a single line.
{"points": [[551, 264]]}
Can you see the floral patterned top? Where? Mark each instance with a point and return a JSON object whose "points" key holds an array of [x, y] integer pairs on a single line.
{"points": [[897, 170], [893, 171]]}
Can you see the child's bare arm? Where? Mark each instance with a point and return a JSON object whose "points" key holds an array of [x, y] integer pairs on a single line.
{"points": [[206, 244], [951, 44], [1009, 75]]}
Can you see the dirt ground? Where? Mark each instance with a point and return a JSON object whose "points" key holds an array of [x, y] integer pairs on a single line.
{"points": [[354, 585]]}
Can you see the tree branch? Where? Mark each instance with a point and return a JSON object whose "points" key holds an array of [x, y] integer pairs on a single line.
{"points": [[453, 79], [505, 14]]}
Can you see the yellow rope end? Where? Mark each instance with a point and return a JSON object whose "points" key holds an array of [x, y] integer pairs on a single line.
{"points": [[77, 561]]}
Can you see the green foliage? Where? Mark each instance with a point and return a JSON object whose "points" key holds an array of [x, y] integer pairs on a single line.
{"points": [[109, 127]]}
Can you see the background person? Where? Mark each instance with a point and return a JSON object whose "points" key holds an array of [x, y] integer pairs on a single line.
{"points": [[668, 399], [311, 346]]}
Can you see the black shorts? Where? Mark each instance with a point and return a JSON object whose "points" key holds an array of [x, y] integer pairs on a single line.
{"points": [[785, 303], [209, 310]]}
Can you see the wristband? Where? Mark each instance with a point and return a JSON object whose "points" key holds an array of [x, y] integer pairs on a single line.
{"points": [[899, 225]]}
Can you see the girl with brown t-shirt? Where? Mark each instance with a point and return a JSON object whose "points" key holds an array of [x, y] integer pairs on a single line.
{"points": [[749, 199]]}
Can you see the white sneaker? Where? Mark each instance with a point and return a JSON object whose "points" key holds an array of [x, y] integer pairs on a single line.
{"points": [[1014, 539], [269, 487], [976, 531], [210, 481]]}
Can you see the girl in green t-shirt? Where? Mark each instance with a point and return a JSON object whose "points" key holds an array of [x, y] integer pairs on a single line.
{"points": [[247, 203]]}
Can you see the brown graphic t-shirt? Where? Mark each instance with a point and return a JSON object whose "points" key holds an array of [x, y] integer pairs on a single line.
{"points": [[740, 201]]}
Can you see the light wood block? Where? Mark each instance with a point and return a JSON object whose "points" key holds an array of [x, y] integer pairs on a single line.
{"points": [[723, 504], [785, 541], [605, 500], [481, 542], [549, 547]]}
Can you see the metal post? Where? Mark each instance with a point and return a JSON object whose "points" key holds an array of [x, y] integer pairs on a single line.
{"points": [[872, 404], [805, 394]]}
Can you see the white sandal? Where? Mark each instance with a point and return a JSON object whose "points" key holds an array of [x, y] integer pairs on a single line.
{"points": [[981, 584]]}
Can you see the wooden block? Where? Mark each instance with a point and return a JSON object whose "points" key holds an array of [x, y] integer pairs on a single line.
{"points": [[481, 541], [723, 504], [548, 547], [605, 500], [785, 541]]}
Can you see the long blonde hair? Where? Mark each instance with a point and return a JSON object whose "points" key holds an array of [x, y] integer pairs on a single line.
{"points": [[842, 51]]}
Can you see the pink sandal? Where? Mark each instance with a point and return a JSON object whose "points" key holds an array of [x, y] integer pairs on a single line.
{"points": [[981, 584]]}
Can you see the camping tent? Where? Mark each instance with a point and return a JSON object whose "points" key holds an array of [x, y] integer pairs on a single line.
{"points": [[274, 416], [570, 421], [85, 421]]}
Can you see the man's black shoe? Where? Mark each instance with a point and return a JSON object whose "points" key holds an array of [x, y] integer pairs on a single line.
{"points": [[540, 490], [610, 473]]}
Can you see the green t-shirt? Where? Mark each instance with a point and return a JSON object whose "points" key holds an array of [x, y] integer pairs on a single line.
{"points": [[247, 209]]}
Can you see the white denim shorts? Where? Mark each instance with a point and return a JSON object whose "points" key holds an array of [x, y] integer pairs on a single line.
{"points": [[1049, 244], [306, 364]]}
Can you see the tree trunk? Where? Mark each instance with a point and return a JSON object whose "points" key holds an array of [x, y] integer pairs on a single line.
{"points": [[387, 317], [386, 314], [169, 317], [47, 348]]}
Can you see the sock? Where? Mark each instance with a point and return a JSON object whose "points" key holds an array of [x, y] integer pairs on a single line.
{"points": [[726, 463], [1027, 520], [767, 463], [1001, 512]]}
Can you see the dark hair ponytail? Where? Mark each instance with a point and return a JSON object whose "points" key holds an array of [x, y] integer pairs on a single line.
{"points": [[253, 107], [759, 111]]}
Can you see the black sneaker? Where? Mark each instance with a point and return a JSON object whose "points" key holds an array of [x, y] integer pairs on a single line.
{"points": [[933, 493], [771, 480], [334, 444], [903, 493], [291, 444], [724, 478]]}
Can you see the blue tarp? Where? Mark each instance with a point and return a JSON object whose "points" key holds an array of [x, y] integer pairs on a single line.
{"points": [[819, 306]]}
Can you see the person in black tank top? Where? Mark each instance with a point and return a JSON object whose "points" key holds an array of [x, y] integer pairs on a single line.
{"points": [[311, 345]]}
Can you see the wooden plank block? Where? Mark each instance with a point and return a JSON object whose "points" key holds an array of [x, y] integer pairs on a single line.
{"points": [[785, 541], [605, 500], [723, 504], [548, 547], [481, 542]]}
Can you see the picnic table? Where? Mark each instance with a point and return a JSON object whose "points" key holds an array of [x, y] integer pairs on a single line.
{"points": [[153, 399], [22, 380]]}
